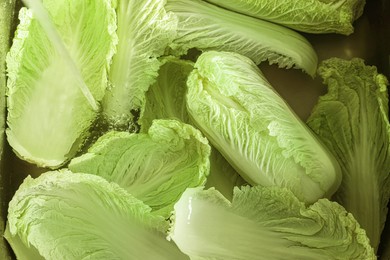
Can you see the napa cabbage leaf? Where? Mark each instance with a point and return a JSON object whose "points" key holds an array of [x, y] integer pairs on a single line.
{"points": [[352, 121], [165, 99], [155, 167], [243, 117], [311, 16], [207, 27], [65, 215], [265, 223], [57, 74], [145, 30]]}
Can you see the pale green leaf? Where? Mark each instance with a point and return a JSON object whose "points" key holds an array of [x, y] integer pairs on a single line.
{"points": [[48, 113], [208, 27], [352, 120], [254, 128], [64, 215], [144, 31], [312, 16], [165, 99], [156, 167], [265, 223]]}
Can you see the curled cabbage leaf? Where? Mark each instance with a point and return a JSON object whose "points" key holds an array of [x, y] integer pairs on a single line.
{"points": [[55, 63], [65, 215], [312, 16], [265, 223], [145, 30], [165, 99], [156, 167], [208, 27], [352, 121], [255, 130]]}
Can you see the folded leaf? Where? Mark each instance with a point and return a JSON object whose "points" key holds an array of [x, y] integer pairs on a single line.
{"points": [[50, 64], [312, 16], [144, 30], [156, 167], [62, 215], [265, 223], [165, 99], [255, 130], [208, 27], [352, 120]]}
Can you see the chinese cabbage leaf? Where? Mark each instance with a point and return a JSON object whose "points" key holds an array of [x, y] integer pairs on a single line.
{"points": [[255, 130], [265, 223], [165, 99], [352, 120], [156, 167], [312, 16], [48, 113], [207, 27], [144, 31], [65, 215]]}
